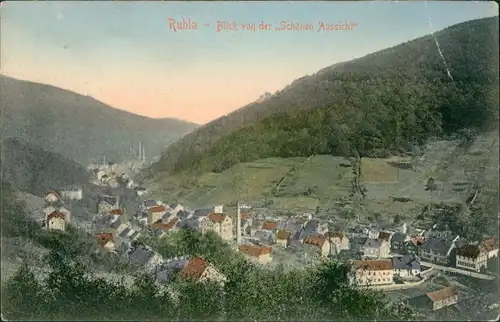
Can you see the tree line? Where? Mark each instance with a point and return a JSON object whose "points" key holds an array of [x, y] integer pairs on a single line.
{"points": [[375, 105], [372, 117]]}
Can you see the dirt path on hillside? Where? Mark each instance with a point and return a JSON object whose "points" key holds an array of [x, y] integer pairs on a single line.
{"points": [[292, 170]]}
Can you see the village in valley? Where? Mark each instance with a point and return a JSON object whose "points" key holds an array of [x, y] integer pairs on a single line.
{"points": [[427, 265], [346, 175]]}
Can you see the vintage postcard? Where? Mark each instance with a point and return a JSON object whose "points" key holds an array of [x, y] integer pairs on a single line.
{"points": [[251, 161]]}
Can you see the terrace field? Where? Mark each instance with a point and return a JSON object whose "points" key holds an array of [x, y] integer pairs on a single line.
{"points": [[302, 184]]}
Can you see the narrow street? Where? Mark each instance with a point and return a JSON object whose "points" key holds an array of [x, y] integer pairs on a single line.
{"points": [[458, 271]]}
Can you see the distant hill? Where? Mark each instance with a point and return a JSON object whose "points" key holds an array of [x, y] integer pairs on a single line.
{"points": [[31, 169], [375, 105], [80, 127]]}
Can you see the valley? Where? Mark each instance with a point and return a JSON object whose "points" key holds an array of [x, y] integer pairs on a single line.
{"points": [[366, 190], [79, 127]]}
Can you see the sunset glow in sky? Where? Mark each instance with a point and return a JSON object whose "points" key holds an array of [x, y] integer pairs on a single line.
{"points": [[123, 53]]}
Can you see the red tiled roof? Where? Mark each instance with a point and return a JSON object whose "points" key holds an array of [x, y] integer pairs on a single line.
{"points": [[442, 294], [315, 240], [384, 236], [373, 265], [469, 251], [53, 192], [116, 212], [269, 225], [215, 217], [417, 241], [166, 226], [158, 209], [55, 214], [490, 244], [195, 268], [103, 238], [254, 251], [283, 234]]}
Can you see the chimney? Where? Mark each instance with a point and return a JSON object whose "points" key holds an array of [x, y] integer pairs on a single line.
{"points": [[139, 153], [238, 225], [143, 154]]}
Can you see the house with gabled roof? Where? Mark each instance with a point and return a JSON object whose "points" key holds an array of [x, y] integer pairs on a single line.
{"points": [[385, 236], [156, 213], [66, 212], [48, 210], [321, 243], [338, 242], [282, 237], [175, 208], [442, 298], [116, 212], [118, 226], [55, 221], [471, 257], [145, 257], [406, 266], [106, 241], [437, 250], [256, 254], [52, 196], [491, 247], [219, 223], [147, 204], [376, 248], [413, 245], [269, 225], [162, 228], [372, 272], [312, 227], [72, 193], [114, 215], [188, 267]]}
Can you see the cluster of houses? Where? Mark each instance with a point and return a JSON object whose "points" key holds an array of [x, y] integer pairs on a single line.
{"points": [[398, 247], [378, 256], [106, 176], [256, 235], [56, 213]]}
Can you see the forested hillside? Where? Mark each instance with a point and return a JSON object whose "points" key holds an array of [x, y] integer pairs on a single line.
{"points": [[78, 126], [31, 169], [376, 105]]}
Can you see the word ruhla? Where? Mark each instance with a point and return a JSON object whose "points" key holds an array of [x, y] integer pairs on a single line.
{"points": [[188, 24]]}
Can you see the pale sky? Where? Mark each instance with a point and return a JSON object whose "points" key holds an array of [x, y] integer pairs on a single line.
{"points": [[124, 54]]}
